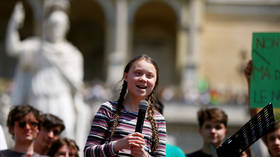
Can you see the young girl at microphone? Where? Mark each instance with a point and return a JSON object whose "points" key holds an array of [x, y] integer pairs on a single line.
{"points": [[113, 128]]}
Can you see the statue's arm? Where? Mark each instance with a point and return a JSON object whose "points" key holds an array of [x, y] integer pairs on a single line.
{"points": [[13, 43]]}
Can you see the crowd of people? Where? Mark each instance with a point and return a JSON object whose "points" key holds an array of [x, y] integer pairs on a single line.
{"points": [[98, 91], [36, 134]]}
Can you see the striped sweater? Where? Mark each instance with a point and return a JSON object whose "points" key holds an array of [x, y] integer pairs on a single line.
{"points": [[98, 144]]}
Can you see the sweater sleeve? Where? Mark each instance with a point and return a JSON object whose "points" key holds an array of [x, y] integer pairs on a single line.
{"points": [[161, 124], [96, 144]]}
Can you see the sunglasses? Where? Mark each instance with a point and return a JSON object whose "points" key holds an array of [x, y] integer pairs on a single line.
{"points": [[33, 124]]}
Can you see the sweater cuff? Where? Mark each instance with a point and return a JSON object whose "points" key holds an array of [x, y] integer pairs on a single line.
{"points": [[112, 149]]}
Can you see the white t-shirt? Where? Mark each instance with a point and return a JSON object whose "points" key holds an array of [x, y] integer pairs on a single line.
{"points": [[3, 144]]}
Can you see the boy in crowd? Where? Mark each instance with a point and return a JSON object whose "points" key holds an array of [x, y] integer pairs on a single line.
{"points": [[50, 129], [212, 128], [272, 140], [23, 124]]}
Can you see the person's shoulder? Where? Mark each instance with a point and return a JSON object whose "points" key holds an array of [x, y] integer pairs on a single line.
{"points": [[173, 147], [32, 42], [108, 106], [106, 109], [194, 154], [158, 116], [173, 150], [8, 152], [198, 153], [34, 39]]}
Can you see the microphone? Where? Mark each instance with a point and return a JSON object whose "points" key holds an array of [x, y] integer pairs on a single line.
{"points": [[141, 115]]}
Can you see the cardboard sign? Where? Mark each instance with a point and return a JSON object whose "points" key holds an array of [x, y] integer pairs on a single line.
{"points": [[265, 79]]}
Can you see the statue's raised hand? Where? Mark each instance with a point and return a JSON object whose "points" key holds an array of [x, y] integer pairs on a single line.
{"points": [[18, 15]]}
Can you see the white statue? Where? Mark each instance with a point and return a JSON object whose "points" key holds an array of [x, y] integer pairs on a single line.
{"points": [[49, 75]]}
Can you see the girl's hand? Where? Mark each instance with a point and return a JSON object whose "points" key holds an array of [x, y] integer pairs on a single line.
{"points": [[134, 140], [138, 151]]}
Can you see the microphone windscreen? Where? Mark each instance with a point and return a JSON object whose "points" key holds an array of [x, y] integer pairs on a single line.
{"points": [[143, 104]]}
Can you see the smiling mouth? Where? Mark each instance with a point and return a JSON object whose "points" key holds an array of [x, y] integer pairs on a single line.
{"points": [[141, 87]]}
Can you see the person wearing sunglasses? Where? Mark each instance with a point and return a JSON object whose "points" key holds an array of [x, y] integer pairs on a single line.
{"points": [[50, 129], [23, 124]]}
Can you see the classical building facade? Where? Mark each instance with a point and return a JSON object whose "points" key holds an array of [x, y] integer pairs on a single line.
{"points": [[190, 39]]}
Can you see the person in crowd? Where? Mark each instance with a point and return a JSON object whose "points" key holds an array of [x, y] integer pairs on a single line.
{"points": [[212, 128], [64, 147], [248, 72], [272, 140], [50, 129], [258, 148], [174, 151], [23, 124], [113, 128], [3, 143]]}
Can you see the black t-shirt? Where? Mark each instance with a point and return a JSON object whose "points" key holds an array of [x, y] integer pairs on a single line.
{"points": [[198, 153], [11, 153]]}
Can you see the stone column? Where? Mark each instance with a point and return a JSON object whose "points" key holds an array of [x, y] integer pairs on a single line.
{"points": [[182, 39], [190, 68], [117, 58]]}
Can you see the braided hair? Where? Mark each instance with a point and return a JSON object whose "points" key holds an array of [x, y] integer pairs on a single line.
{"points": [[152, 99]]}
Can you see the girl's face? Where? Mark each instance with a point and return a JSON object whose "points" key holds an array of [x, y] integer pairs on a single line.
{"points": [[141, 79]]}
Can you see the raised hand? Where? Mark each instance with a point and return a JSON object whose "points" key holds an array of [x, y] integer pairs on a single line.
{"points": [[18, 15], [248, 70]]}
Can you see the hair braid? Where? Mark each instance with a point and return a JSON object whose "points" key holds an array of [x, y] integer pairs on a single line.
{"points": [[119, 108], [155, 138]]}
